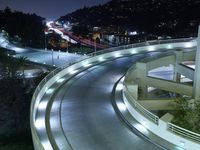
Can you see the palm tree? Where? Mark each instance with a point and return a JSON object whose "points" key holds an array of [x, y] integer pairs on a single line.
{"points": [[9, 63], [22, 62], [12, 64]]}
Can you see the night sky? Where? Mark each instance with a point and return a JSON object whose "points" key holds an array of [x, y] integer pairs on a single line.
{"points": [[50, 9]]}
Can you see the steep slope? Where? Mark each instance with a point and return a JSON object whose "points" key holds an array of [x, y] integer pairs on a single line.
{"points": [[172, 17]]}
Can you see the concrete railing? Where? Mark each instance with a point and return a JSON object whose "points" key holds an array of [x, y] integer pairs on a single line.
{"points": [[98, 57], [162, 130], [183, 132], [149, 115], [147, 43]]}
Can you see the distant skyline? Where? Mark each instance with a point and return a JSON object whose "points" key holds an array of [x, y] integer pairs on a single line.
{"points": [[49, 9]]}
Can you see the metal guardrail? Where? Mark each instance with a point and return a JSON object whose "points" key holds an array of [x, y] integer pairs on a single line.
{"points": [[54, 72], [183, 132], [140, 108]]}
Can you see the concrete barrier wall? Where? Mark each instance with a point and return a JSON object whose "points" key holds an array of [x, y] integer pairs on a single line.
{"points": [[164, 61], [186, 71], [161, 129], [169, 85], [189, 56]]}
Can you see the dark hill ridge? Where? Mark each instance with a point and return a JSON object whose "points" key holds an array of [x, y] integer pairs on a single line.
{"points": [[172, 17], [28, 27]]}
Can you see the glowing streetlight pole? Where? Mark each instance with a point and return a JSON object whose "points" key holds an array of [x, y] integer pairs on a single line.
{"points": [[45, 40], [95, 47], [52, 57]]}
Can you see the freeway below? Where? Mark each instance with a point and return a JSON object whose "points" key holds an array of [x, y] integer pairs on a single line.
{"points": [[39, 56], [73, 38], [82, 116], [51, 58]]}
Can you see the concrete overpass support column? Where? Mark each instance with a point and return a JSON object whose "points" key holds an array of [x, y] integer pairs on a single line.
{"points": [[142, 74], [196, 83], [179, 56], [144, 92]]}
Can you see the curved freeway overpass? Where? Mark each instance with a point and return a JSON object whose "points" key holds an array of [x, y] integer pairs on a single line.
{"points": [[72, 108]]}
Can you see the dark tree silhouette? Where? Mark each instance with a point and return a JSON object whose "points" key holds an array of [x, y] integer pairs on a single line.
{"points": [[29, 27]]}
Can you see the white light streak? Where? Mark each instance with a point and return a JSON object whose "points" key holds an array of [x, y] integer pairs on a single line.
{"points": [[151, 48], [60, 80], [134, 51], [182, 143], [72, 71], [101, 58], [188, 45], [121, 106], [141, 128], [86, 64], [119, 87], [42, 105], [40, 123], [169, 46], [117, 54], [49, 91]]}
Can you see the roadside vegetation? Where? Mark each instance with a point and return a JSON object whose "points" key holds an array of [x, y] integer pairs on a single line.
{"points": [[27, 29], [15, 99], [187, 114]]}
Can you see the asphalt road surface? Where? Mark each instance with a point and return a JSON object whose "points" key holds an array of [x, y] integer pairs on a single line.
{"points": [[84, 113]]}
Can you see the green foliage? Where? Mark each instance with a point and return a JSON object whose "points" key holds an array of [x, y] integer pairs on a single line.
{"points": [[81, 49], [187, 115]]}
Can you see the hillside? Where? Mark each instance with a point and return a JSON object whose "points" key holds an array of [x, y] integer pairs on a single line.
{"points": [[176, 18]]}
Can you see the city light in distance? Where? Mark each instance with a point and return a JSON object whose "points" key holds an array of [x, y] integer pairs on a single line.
{"points": [[133, 33]]}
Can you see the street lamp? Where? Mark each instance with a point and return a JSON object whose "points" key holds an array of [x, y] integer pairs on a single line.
{"points": [[52, 57], [67, 46], [95, 47], [45, 40]]}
